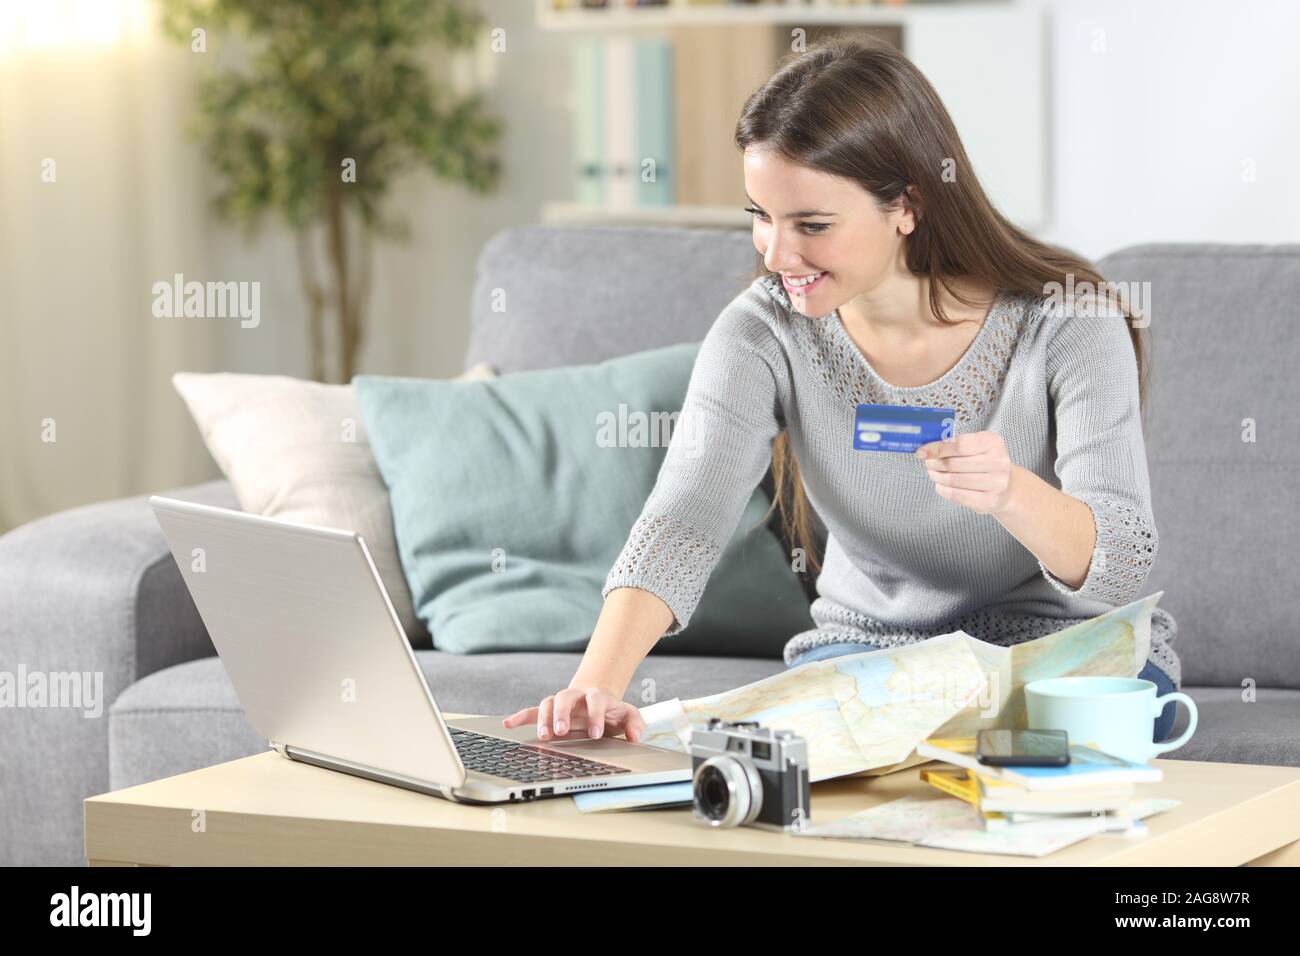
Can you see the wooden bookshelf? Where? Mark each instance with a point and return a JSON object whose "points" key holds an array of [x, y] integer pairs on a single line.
{"points": [[676, 14], [721, 52], [681, 214]]}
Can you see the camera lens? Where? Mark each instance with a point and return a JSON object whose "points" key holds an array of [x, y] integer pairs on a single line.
{"points": [[711, 791], [728, 791]]}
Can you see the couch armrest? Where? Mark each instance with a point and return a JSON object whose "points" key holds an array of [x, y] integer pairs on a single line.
{"points": [[92, 591]]}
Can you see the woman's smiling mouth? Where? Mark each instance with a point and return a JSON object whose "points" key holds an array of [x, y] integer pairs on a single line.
{"points": [[802, 285]]}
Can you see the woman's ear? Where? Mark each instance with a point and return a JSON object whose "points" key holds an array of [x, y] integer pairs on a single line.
{"points": [[909, 211]]}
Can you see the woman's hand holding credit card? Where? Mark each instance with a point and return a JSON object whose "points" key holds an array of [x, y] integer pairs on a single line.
{"points": [[972, 470]]}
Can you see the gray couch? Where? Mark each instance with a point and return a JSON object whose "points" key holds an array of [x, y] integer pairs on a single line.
{"points": [[95, 589]]}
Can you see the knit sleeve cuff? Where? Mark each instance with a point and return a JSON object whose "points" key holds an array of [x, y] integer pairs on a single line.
{"points": [[1123, 555], [668, 558]]}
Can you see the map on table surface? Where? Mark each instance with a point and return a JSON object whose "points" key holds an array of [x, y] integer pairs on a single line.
{"points": [[865, 713], [948, 824]]}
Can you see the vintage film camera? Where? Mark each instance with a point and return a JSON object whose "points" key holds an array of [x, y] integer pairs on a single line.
{"points": [[746, 775]]}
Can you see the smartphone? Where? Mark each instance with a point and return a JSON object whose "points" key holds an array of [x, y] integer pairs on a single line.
{"points": [[1022, 748]]}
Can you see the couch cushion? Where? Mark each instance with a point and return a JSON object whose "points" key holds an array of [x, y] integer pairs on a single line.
{"points": [[297, 450], [1231, 730], [187, 716], [656, 286], [1223, 443], [513, 497]]}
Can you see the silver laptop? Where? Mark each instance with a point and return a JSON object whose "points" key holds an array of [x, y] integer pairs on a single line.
{"points": [[325, 672]]}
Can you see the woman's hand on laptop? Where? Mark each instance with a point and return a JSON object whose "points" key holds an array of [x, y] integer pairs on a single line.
{"points": [[594, 709]]}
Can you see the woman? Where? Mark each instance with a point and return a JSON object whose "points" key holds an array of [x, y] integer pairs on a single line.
{"points": [[888, 277]]}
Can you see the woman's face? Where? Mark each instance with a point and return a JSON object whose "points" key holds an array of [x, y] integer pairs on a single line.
{"points": [[811, 224]]}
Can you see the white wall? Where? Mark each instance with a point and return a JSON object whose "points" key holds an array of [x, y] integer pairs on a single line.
{"points": [[1151, 136], [989, 65]]}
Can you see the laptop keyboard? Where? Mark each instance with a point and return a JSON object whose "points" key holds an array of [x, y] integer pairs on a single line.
{"points": [[523, 762]]}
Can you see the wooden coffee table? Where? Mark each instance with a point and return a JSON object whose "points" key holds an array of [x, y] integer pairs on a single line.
{"points": [[266, 810]]}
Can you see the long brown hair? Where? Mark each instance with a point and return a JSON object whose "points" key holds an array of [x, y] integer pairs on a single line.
{"points": [[858, 109]]}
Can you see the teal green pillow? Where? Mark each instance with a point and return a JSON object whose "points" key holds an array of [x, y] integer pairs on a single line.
{"points": [[509, 513]]}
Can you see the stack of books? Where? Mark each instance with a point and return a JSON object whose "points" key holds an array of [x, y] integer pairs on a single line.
{"points": [[1092, 784], [623, 122]]}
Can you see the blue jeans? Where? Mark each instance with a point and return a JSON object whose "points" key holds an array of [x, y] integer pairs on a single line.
{"points": [[1163, 724]]}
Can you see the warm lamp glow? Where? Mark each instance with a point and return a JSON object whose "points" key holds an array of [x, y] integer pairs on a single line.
{"points": [[67, 24]]}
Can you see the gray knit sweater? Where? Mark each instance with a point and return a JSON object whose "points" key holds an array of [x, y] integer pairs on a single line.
{"points": [[902, 564]]}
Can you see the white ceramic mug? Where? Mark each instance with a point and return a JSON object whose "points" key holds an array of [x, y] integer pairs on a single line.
{"points": [[1112, 714]]}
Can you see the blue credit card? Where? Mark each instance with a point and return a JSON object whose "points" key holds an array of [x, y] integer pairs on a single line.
{"points": [[901, 427]]}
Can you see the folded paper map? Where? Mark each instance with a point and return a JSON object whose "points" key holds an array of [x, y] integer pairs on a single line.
{"points": [[865, 713], [948, 824]]}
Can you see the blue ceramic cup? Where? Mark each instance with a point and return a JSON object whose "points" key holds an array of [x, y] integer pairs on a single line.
{"points": [[1115, 715]]}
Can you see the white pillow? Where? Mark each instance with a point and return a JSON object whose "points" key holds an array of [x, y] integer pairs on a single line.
{"points": [[297, 450]]}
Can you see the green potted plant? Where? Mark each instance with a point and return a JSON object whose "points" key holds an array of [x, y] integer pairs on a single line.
{"points": [[333, 103]]}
